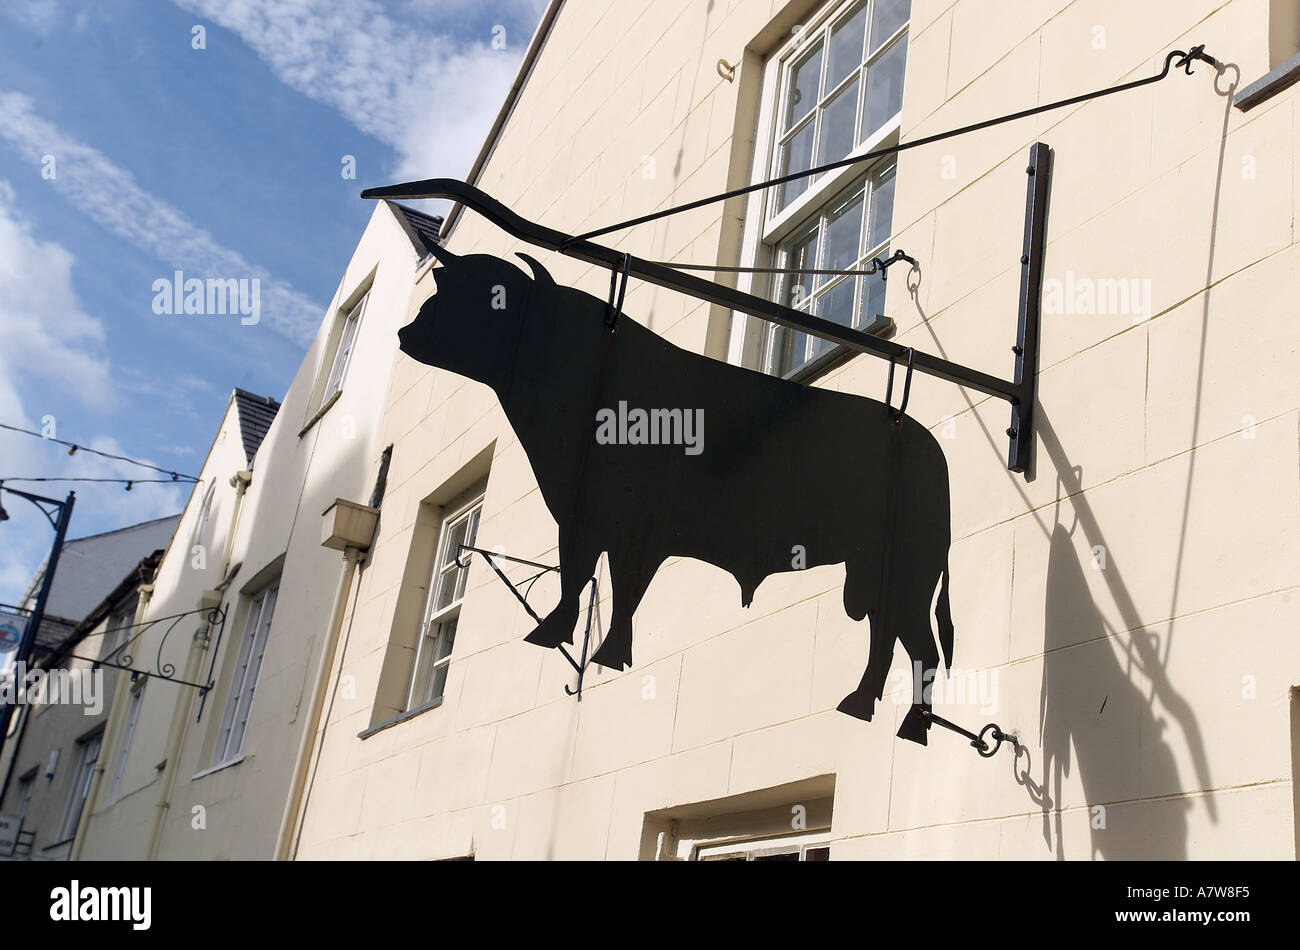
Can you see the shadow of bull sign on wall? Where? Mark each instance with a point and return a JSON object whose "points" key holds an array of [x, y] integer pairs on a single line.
{"points": [[647, 451]]}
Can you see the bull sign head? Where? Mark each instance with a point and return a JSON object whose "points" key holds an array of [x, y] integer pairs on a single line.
{"points": [[647, 451]]}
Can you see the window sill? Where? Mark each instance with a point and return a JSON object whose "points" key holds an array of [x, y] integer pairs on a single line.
{"points": [[1269, 85], [218, 768], [316, 417], [409, 714]]}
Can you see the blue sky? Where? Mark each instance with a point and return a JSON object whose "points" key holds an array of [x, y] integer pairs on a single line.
{"points": [[223, 162]]}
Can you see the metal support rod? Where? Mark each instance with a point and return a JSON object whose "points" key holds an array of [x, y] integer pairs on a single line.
{"points": [[1174, 60], [25, 648], [579, 666], [706, 290], [202, 687], [978, 742]]}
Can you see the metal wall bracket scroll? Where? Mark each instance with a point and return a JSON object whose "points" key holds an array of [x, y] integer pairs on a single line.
{"points": [[579, 665], [123, 656]]}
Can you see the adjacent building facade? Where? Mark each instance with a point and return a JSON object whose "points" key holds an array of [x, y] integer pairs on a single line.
{"points": [[208, 769], [1127, 610], [55, 742]]}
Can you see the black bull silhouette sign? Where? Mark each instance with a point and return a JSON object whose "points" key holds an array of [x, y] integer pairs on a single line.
{"points": [[647, 451]]}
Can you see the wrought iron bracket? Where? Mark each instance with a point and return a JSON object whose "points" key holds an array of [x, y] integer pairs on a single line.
{"points": [[978, 742], [1018, 391], [579, 665], [1029, 320], [122, 657]]}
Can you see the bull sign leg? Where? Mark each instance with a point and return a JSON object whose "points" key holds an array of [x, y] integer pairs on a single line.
{"points": [[630, 578], [577, 563]]}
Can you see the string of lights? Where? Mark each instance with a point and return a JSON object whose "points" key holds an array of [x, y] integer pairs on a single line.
{"points": [[74, 448], [128, 482]]}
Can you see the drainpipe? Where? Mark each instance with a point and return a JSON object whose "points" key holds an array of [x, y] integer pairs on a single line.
{"points": [[286, 844], [240, 482], [113, 730], [198, 646]]}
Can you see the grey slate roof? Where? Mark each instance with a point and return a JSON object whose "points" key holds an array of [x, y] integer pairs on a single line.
{"points": [[91, 567], [424, 228], [255, 416]]}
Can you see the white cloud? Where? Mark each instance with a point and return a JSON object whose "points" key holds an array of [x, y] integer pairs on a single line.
{"points": [[46, 333], [430, 96], [41, 319], [110, 195], [39, 16]]}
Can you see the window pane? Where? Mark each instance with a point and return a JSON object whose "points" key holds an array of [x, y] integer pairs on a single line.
{"points": [[343, 351], [438, 684], [799, 255], [796, 156], [846, 47], [446, 638], [421, 667], [880, 222], [837, 305], [843, 236], [430, 673], [237, 680], [837, 125], [455, 537], [801, 95], [785, 343], [244, 707], [471, 534], [446, 589], [884, 87], [889, 15]]}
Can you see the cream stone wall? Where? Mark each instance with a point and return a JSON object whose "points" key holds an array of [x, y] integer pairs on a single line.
{"points": [[1136, 597]]}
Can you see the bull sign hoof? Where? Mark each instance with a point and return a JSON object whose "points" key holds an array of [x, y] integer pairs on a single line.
{"points": [[647, 451]]}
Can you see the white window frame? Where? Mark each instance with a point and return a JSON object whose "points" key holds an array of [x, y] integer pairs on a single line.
{"points": [[344, 347], [753, 849], [128, 736], [750, 337], [434, 627], [26, 787], [76, 805], [245, 676]]}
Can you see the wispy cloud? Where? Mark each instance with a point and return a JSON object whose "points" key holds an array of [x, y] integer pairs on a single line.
{"points": [[42, 318], [46, 333], [430, 95], [110, 195], [39, 16]]}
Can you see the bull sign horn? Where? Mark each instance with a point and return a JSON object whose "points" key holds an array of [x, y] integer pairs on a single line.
{"points": [[541, 276], [649, 452], [444, 257]]}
